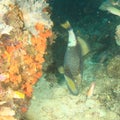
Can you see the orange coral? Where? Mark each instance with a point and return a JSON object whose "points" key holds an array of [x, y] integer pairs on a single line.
{"points": [[39, 27], [39, 57], [35, 64], [21, 60], [27, 87], [25, 67], [14, 67], [7, 56]]}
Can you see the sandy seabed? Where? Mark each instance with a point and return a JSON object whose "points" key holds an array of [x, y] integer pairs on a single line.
{"points": [[56, 103]]}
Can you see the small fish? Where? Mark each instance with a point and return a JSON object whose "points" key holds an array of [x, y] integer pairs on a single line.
{"points": [[91, 90]]}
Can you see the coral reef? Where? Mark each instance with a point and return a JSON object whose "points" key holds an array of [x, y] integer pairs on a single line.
{"points": [[113, 67], [23, 44], [30, 14]]}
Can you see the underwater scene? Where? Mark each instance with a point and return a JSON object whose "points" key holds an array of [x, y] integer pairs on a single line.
{"points": [[59, 59]]}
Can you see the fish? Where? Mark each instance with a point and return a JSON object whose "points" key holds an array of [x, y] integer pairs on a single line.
{"points": [[90, 90], [72, 61], [108, 6]]}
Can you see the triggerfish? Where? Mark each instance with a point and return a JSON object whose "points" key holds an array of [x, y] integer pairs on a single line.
{"points": [[72, 61]]}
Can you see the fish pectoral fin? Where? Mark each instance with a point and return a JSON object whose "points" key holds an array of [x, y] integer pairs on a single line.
{"points": [[61, 70]]}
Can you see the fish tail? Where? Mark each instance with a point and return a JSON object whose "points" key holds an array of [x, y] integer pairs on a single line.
{"points": [[66, 25]]}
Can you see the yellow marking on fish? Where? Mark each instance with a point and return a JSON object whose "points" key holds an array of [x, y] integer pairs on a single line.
{"points": [[71, 85]]}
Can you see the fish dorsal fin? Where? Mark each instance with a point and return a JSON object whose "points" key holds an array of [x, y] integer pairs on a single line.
{"points": [[83, 45]]}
